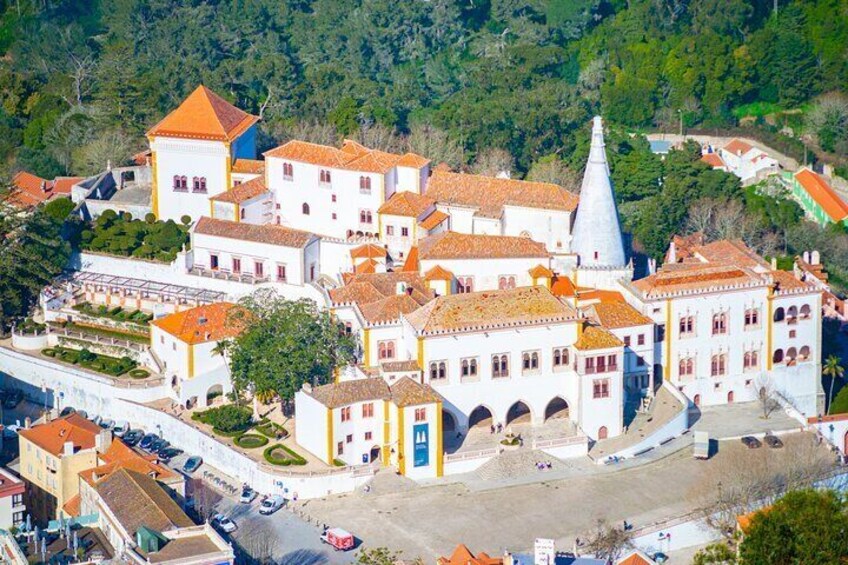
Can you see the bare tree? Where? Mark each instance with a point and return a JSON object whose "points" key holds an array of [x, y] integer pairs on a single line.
{"points": [[260, 545], [205, 499], [829, 116], [701, 216], [552, 169], [492, 162], [435, 144], [608, 542], [728, 221], [378, 136], [112, 146], [312, 131], [767, 396]]}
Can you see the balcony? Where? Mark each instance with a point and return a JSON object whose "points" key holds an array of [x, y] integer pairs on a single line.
{"points": [[227, 275]]}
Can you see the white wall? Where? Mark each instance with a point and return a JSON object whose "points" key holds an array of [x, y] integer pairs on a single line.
{"points": [[433, 443], [551, 227], [189, 158], [249, 252], [357, 427], [486, 272], [311, 437]]}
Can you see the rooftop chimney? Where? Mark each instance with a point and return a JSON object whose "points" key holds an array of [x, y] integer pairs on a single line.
{"points": [[68, 448], [103, 441]]}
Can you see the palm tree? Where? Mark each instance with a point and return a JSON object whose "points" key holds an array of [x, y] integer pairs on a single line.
{"points": [[833, 369]]}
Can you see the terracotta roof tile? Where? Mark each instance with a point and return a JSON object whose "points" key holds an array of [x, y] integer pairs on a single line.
{"points": [[368, 251], [204, 115], [243, 192], [453, 245], [736, 146], [29, 190], [491, 194], [262, 233], [352, 156], [388, 309], [367, 267], [407, 204], [733, 252], [413, 160], [786, 280], [399, 366], [438, 273], [493, 309], [594, 337], [684, 277], [463, 556], [823, 194], [344, 393], [365, 288], [252, 166], [540, 271], [407, 392], [53, 435], [614, 315], [433, 220], [562, 286], [211, 322], [411, 263], [713, 159], [635, 558]]}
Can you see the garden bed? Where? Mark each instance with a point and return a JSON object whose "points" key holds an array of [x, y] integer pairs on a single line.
{"points": [[116, 314], [106, 333], [228, 420], [272, 430], [30, 327], [112, 366], [250, 441], [279, 454]]}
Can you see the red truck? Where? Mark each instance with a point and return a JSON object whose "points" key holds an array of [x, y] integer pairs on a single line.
{"points": [[338, 538]]}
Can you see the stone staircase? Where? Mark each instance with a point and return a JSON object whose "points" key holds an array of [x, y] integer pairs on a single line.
{"points": [[518, 463]]}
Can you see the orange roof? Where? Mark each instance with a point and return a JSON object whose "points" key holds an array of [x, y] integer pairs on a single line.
{"points": [[52, 436], [695, 276], [491, 194], [491, 309], [463, 556], [72, 506], [365, 288], [388, 309], [541, 272], [352, 156], [453, 245], [433, 220], [411, 263], [368, 251], [823, 194], [204, 115], [786, 280], [243, 192], [29, 190], [63, 185], [438, 273], [120, 456], [369, 266], [596, 295], [713, 159], [636, 558], [252, 166], [732, 252], [270, 234], [614, 315], [406, 204], [595, 337], [737, 146], [413, 160], [562, 286], [211, 322]]}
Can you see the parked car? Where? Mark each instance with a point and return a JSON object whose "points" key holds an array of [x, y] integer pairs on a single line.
{"points": [[147, 440], [96, 419], [223, 523], [248, 495], [339, 539], [158, 444], [67, 411], [168, 453], [660, 558], [83, 413], [192, 464], [107, 424], [773, 441], [121, 428], [132, 437], [751, 442], [271, 504]]}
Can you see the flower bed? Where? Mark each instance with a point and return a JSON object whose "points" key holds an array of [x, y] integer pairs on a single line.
{"points": [[250, 441], [272, 430], [116, 314], [30, 327], [279, 454], [138, 374], [228, 420], [111, 366]]}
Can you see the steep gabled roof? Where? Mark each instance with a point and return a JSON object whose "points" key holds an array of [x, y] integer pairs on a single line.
{"points": [[270, 234], [406, 203], [243, 192], [53, 435], [454, 245], [204, 115], [823, 194], [211, 322]]}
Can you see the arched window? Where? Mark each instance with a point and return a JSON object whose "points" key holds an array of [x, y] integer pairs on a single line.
{"points": [[778, 356], [602, 432], [792, 312], [362, 216], [525, 360], [368, 218], [719, 323], [791, 354], [511, 282], [241, 213], [434, 371], [534, 360], [752, 317], [325, 176], [687, 325], [365, 184], [202, 184], [805, 311], [305, 209], [686, 367], [176, 182], [464, 367], [472, 367], [184, 182], [390, 350], [442, 370], [718, 365], [504, 366], [804, 354], [195, 184], [496, 366], [779, 315], [501, 283], [557, 358], [288, 171]]}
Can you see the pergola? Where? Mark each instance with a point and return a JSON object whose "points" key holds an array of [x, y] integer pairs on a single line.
{"points": [[147, 289]]}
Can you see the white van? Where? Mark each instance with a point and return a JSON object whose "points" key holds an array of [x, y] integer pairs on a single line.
{"points": [[272, 504]]}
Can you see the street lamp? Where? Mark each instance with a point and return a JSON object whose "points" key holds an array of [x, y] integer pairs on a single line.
{"points": [[680, 112]]}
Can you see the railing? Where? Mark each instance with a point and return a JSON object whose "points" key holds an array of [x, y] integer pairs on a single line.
{"points": [[222, 274], [559, 442], [99, 340], [468, 455]]}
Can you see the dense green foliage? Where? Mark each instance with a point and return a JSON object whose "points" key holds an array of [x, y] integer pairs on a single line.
{"points": [[32, 253], [279, 454], [803, 527], [113, 366], [228, 418], [840, 403], [121, 235], [288, 343], [84, 80]]}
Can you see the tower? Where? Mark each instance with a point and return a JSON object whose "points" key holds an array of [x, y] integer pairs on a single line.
{"points": [[596, 237]]}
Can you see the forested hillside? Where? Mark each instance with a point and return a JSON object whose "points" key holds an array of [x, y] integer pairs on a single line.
{"points": [[82, 80]]}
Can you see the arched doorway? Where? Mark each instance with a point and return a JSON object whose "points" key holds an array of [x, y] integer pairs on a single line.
{"points": [[518, 413], [697, 400], [448, 421], [480, 417], [557, 408], [374, 454], [730, 397], [602, 432], [214, 392], [845, 444]]}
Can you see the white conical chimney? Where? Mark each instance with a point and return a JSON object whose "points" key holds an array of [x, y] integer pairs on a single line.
{"points": [[597, 233]]}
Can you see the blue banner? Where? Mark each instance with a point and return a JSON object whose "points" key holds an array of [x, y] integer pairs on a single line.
{"points": [[421, 444]]}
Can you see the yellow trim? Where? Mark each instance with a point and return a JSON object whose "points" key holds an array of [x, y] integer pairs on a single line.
{"points": [[769, 328], [421, 353], [211, 209], [414, 231], [366, 344], [380, 225], [440, 453], [190, 360], [155, 192], [387, 452], [401, 433], [236, 213], [330, 454], [667, 368], [228, 169]]}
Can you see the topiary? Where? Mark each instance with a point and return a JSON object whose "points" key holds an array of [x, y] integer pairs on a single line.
{"points": [[150, 218], [840, 403], [186, 220]]}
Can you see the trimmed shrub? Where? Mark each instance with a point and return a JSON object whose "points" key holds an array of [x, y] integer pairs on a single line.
{"points": [[138, 374], [228, 418], [279, 454], [840, 402], [50, 352], [251, 441], [272, 430]]}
